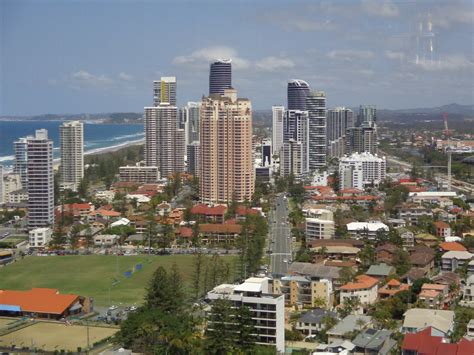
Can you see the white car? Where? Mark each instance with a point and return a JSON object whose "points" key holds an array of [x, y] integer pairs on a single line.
{"points": [[113, 308]]}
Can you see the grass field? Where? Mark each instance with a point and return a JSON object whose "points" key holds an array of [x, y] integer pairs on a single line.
{"points": [[92, 275], [55, 336], [5, 321]]}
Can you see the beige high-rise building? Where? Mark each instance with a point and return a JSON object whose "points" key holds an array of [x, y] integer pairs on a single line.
{"points": [[226, 164]]}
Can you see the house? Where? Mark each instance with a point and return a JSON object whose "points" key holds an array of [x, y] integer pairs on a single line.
{"points": [[411, 213], [470, 329], [364, 289], [392, 288], [443, 229], [372, 341], [312, 322], [440, 321], [408, 238], [451, 260], [413, 274], [315, 271], [338, 346], [106, 240], [242, 211], [346, 327], [425, 342], [447, 278], [422, 257], [434, 295], [40, 237], [380, 271], [396, 222], [184, 234], [385, 253], [451, 246], [369, 230], [121, 222], [426, 239], [336, 252]]}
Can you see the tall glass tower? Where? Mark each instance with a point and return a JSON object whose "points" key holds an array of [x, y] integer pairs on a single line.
{"points": [[297, 92], [220, 76]]}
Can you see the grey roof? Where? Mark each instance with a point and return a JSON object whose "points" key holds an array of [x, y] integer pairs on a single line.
{"points": [[314, 270], [349, 324], [372, 339], [316, 316], [136, 238], [381, 269], [420, 318]]}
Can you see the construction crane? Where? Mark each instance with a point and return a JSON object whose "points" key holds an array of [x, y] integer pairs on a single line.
{"points": [[447, 132]]}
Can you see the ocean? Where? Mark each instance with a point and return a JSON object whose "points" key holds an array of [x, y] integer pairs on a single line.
{"points": [[97, 137]]}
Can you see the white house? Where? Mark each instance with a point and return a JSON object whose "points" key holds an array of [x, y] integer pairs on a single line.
{"points": [[40, 237], [366, 229], [440, 321], [364, 289], [106, 240], [451, 260]]}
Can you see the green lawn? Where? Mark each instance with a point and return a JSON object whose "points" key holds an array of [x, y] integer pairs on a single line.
{"points": [[92, 275]]}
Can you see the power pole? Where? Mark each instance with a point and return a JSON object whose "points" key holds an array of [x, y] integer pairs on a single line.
{"points": [[448, 148]]}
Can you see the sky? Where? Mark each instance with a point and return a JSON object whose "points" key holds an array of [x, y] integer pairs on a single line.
{"points": [[103, 55]]}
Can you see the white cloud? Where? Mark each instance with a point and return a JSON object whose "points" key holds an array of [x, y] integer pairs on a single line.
{"points": [[125, 76], [274, 63], [380, 8], [205, 56], [457, 13], [306, 25], [350, 55], [83, 77], [394, 55], [450, 63]]}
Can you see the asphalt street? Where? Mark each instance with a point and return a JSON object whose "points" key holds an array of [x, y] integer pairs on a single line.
{"points": [[280, 237]]}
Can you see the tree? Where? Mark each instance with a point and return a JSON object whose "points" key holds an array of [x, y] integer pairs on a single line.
{"points": [[220, 332], [165, 291], [346, 275], [83, 187], [198, 268], [401, 261]]}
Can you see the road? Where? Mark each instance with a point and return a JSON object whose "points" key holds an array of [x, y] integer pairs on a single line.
{"points": [[280, 237]]}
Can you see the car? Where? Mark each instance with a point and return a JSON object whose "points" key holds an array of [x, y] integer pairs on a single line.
{"points": [[133, 308], [113, 307]]}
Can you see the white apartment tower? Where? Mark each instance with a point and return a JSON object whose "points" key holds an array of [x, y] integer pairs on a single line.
{"points": [[164, 141], [361, 170], [278, 113], [72, 154], [294, 152], [40, 178], [316, 106]]}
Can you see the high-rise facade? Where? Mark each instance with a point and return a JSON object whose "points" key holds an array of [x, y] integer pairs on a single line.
{"points": [[226, 161], [294, 153], [192, 153], [363, 137], [164, 141], [72, 154], [297, 92], [339, 120], [361, 170], [278, 113], [367, 115], [316, 107], [191, 113], [220, 76], [20, 146], [40, 180], [164, 91]]}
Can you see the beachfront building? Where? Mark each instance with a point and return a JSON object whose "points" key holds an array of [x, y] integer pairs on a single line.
{"points": [[139, 174], [361, 170], [72, 154]]}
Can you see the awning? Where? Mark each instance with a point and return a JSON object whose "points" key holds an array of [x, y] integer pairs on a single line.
{"points": [[76, 307], [9, 308]]}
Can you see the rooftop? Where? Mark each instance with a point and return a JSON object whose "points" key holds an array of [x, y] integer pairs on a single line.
{"points": [[350, 323], [362, 282]]}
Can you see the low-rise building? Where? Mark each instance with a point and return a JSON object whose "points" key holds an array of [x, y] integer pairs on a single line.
{"points": [[301, 290], [369, 230], [40, 237], [319, 224], [408, 238], [468, 293], [106, 240], [434, 295], [427, 341], [268, 310], [139, 174], [364, 289], [312, 322], [315, 272], [347, 326], [17, 196], [380, 271], [214, 233], [451, 260], [443, 229], [422, 257], [412, 213], [416, 319], [209, 214]]}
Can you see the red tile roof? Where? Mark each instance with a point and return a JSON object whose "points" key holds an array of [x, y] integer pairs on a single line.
{"points": [[441, 224], [452, 246], [426, 344], [362, 282], [202, 209], [38, 300], [185, 232], [243, 211], [220, 228]]}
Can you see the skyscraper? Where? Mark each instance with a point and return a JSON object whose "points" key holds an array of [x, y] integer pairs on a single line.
{"points": [[192, 153], [297, 92], [164, 141], [367, 115], [20, 147], [40, 180], [72, 154], [294, 152], [164, 91], [191, 113], [220, 76], [278, 112], [226, 162], [339, 120], [316, 106]]}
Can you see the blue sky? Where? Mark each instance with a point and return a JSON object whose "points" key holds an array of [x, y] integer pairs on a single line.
{"points": [[102, 56]]}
